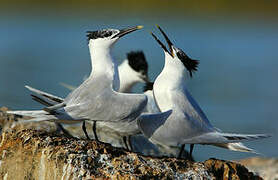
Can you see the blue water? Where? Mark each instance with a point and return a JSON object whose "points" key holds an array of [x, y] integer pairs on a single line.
{"points": [[236, 84]]}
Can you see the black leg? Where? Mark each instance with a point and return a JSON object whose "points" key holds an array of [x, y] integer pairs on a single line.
{"points": [[84, 130], [191, 150], [125, 142], [181, 150], [95, 130], [129, 142], [61, 128]]}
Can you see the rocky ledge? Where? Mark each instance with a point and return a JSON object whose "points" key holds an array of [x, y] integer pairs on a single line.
{"points": [[265, 167], [37, 154]]}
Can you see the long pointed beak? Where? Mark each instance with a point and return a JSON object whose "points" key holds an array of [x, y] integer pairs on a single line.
{"points": [[161, 44], [127, 31], [170, 44]]}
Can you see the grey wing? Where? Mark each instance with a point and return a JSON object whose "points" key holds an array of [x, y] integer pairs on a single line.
{"points": [[149, 123], [127, 106], [191, 108], [110, 106]]}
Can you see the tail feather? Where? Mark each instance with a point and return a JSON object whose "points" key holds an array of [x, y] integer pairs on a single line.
{"points": [[41, 115], [50, 97], [41, 100], [36, 116], [217, 137], [243, 137], [39, 119], [229, 141], [236, 147], [28, 113]]}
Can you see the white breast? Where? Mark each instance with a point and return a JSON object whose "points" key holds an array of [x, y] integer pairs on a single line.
{"points": [[171, 78]]}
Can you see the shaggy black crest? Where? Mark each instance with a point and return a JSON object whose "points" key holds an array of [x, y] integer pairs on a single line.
{"points": [[190, 64], [100, 34], [148, 86], [137, 61]]}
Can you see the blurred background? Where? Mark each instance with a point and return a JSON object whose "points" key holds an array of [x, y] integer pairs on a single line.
{"points": [[43, 43]]}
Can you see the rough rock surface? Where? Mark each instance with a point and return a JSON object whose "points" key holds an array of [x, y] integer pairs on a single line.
{"points": [[37, 154], [265, 167]]}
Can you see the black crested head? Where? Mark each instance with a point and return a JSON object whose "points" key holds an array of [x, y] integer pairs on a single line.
{"points": [[137, 61], [101, 33], [190, 64], [148, 86]]}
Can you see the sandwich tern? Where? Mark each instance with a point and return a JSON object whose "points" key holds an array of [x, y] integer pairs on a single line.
{"points": [[132, 70], [96, 98], [181, 120]]}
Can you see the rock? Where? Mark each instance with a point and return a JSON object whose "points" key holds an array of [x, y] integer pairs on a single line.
{"points": [[37, 154], [32, 154], [6, 120], [265, 167]]}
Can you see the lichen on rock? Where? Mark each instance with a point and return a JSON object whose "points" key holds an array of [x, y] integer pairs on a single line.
{"points": [[26, 153]]}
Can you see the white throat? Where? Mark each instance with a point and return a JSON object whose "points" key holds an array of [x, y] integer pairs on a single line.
{"points": [[171, 78], [128, 77], [103, 63]]}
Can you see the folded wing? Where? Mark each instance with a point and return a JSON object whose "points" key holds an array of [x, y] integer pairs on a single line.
{"points": [[149, 123]]}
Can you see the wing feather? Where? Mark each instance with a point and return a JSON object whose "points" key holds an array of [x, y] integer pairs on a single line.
{"points": [[109, 106], [149, 123]]}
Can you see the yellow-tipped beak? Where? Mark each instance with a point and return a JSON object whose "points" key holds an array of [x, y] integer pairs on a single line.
{"points": [[140, 27], [127, 31]]}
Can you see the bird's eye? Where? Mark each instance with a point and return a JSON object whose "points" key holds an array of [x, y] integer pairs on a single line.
{"points": [[190, 64], [181, 55]]}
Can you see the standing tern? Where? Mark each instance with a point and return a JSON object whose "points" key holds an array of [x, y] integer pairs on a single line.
{"points": [[181, 120], [132, 70], [96, 98]]}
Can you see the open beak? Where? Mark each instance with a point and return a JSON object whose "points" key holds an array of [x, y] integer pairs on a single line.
{"points": [[170, 44], [161, 44], [127, 31]]}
